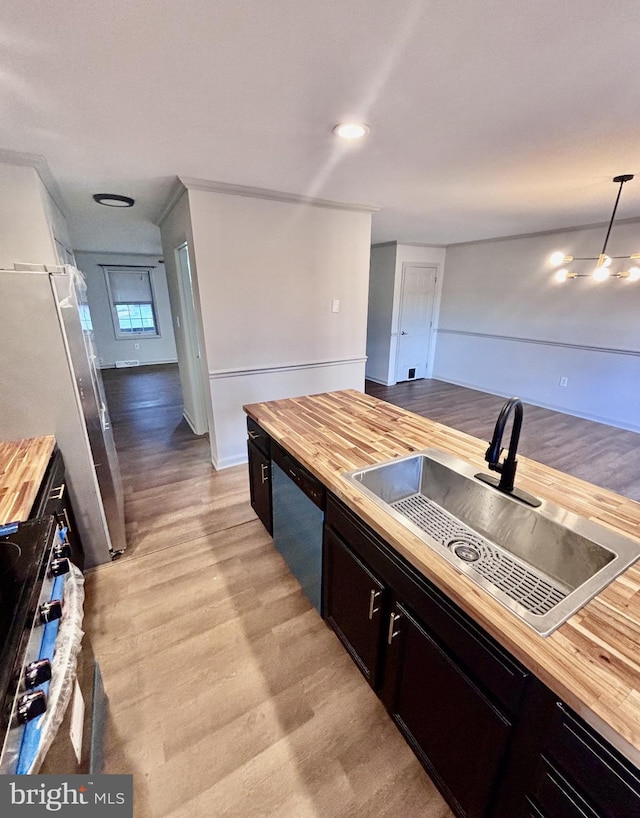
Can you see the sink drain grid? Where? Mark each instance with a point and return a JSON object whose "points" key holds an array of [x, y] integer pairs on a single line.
{"points": [[514, 578]]}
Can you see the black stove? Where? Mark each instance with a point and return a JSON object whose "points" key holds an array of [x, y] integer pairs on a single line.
{"points": [[25, 550]]}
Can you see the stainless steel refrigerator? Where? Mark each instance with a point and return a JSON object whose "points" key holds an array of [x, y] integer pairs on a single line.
{"points": [[50, 384]]}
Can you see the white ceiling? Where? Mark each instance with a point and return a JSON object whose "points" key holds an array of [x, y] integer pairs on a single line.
{"points": [[488, 117]]}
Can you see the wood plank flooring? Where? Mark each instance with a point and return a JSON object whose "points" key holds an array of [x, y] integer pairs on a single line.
{"points": [[600, 454], [228, 695]]}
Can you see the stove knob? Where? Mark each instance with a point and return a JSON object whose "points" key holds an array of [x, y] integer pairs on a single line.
{"points": [[59, 566], [61, 550], [50, 611], [31, 705], [36, 673]]}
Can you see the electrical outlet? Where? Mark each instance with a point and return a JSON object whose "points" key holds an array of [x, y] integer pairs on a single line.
{"points": [[335, 305], [136, 346], [564, 380]]}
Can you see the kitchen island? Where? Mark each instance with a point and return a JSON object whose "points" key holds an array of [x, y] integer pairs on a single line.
{"points": [[591, 661]]}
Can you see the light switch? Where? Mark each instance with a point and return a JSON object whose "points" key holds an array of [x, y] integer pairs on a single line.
{"points": [[335, 305]]}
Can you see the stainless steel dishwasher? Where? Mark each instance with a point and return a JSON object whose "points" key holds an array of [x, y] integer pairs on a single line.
{"points": [[298, 516]]}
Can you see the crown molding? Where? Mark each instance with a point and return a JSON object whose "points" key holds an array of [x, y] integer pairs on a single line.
{"points": [[275, 195], [176, 191], [40, 165], [422, 244], [555, 230]]}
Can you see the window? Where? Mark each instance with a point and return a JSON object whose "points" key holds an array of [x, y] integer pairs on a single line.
{"points": [[132, 302], [85, 317]]}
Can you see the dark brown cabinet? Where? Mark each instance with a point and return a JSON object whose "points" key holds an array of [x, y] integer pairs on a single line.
{"points": [[354, 605], [258, 448], [496, 741], [406, 638], [53, 499], [576, 774], [460, 736]]}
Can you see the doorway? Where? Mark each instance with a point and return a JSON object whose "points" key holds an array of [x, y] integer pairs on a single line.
{"points": [[415, 321], [190, 364]]}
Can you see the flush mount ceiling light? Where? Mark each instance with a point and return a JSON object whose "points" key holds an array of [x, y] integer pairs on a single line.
{"points": [[113, 200], [602, 270], [351, 130]]}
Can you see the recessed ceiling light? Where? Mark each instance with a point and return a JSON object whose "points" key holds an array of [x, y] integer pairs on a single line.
{"points": [[351, 130], [113, 200]]}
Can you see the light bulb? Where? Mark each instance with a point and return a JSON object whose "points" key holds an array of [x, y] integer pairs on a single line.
{"points": [[601, 274], [634, 274], [351, 130], [556, 258], [561, 275]]}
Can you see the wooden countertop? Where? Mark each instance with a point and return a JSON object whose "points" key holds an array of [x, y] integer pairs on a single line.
{"points": [[593, 660], [23, 464]]}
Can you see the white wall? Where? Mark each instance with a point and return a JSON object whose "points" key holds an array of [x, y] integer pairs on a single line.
{"points": [[380, 313], [507, 327], [385, 290], [267, 274], [111, 349], [25, 231], [175, 230]]}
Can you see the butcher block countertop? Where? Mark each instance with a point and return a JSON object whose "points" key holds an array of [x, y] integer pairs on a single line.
{"points": [[592, 661], [23, 464]]}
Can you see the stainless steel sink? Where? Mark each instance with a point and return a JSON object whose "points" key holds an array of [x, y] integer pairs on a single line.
{"points": [[542, 563]]}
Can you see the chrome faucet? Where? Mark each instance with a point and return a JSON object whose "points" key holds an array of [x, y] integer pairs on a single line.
{"points": [[506, 469]]}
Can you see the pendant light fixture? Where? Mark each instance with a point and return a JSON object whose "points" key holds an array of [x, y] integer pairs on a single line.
{"points": [[602, 270]]}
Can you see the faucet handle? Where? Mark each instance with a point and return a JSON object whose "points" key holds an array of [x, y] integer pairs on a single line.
{"points": [[493, 453]]}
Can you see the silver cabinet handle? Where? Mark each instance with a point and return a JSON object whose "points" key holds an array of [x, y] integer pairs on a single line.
{"points": [[66, 518], [392, 622], [265, 471], [372, 601], [253, 435], [57, 493]]}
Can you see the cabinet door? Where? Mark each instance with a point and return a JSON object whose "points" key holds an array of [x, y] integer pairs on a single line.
{"points": [[260, 485], [457, 733], [558, 799], [53, 499], [578, 763], [354, 604]]}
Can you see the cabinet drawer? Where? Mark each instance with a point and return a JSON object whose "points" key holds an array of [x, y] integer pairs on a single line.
{"points": [[490, 665], [609, 783], [557, 798], [305, 481], [52, 488], [258, 436]]}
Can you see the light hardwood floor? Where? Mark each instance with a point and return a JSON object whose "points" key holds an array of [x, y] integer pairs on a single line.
{"points": [[228, 695]]}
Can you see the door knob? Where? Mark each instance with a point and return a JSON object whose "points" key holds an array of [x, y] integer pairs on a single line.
{"points": [[404, 333]]}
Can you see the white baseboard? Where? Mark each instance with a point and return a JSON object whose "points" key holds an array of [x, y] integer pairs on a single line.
{"points": [[379, 380], [228, 462]]}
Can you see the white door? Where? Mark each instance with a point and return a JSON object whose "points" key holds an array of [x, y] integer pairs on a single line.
{"points": [[191, 373], [417, 298]]}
